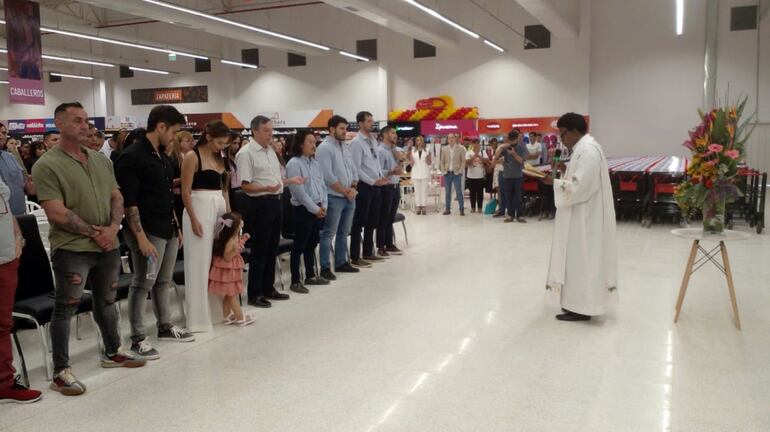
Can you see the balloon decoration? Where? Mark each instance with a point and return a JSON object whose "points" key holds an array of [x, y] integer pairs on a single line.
{"points": [[435, 108]]}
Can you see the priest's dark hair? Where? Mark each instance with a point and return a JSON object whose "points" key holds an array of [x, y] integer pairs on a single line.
{"points": [[335, 121], [166, 114], [573, 122]]}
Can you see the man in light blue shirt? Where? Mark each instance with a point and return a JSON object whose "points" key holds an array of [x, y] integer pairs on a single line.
{"points": [[370, 184], [339, 175], [391, 194], [13, 176]]}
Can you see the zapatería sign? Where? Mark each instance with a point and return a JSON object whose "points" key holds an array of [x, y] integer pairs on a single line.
{"points": [[169, 95]]}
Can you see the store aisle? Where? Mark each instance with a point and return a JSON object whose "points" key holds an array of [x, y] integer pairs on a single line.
{"points": [[453, 336]]}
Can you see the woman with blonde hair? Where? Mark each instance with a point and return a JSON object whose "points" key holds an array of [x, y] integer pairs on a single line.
{"points": [[181, 145]]}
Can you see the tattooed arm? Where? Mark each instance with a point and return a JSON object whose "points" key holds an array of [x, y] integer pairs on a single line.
{"points": [[66, 219], [107, 235], [135, 225]]}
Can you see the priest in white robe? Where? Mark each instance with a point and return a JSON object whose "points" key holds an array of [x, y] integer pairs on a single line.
{"points": [[582, 275]]}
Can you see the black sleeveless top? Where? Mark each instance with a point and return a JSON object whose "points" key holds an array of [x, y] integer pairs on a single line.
{"points": [[209, 179]]}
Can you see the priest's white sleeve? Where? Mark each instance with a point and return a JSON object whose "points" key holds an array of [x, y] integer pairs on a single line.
{"points": [[581, 180]]}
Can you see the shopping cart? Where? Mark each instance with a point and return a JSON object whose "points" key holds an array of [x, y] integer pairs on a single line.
{"points": [[663, 178], [750, 207]]}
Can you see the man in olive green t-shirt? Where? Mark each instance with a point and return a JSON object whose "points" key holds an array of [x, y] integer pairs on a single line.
{"points": [[78, 191]]}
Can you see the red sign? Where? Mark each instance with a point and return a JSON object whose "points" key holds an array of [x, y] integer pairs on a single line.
{"points": [[431, 103], [543, 125], [168, 95], [446, 127]]}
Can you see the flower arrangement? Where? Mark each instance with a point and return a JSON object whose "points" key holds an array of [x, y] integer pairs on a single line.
{"points": [[717, 146]]}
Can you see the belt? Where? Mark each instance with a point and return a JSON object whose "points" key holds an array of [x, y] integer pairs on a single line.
{"points": [[270, 197]]}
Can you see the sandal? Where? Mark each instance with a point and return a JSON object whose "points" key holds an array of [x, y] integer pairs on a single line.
{"points": [[247, 320], [229, 320]]}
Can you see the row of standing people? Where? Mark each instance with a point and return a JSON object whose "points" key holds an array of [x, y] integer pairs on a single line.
{"points": [[85, 199]]}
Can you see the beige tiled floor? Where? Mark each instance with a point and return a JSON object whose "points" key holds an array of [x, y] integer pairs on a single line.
{"points": [[454, 336]]}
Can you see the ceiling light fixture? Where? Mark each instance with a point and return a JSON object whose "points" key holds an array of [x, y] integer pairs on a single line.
{"points": [[234, 63], [71, 76], [493, 45], [357, 57], [679, 17], [118, 42], [159, 72], [438, 16], [3, 82], [238, 24], [72, 60]]}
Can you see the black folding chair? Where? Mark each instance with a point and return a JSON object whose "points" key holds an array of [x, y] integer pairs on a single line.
{"points": [[35, 292]]}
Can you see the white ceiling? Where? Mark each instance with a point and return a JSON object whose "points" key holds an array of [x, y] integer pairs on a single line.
{"points": [[136, 21]]}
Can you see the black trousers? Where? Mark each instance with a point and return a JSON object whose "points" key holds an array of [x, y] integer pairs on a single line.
{"points": [[391, 196], [366, 218], [476, 186], [307, 232], [263, 223]]}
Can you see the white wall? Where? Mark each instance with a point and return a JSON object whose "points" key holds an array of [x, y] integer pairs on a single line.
{"points": [[55, 93], [645, 83]]}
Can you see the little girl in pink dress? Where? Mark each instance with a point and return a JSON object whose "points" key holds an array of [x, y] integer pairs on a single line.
{"points": [[226, 274]]}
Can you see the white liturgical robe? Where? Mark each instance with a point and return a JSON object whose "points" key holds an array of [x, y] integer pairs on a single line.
{"points": [[582, 275]]}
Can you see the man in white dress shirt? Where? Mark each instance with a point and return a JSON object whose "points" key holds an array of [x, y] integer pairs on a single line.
{"points": [[260, 173]]}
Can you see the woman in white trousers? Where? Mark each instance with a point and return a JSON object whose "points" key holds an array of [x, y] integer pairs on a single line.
{"points": [[421, 161], [204, 192]]}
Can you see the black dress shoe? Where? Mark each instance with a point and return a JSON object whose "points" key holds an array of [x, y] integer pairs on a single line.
{"points": [[316, 280], [572, 316], [275, 295], [392, 250], [299, 288], [260, 302], [346, 268], [497, 215], [328, 275]]}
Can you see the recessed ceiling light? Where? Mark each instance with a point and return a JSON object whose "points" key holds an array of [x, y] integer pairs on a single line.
{"points": [[72, 60], [357, 57], [155, 71], [493, 45], [440, 17], [234, 63], [238, 24], [122, 43], [71, 76]]}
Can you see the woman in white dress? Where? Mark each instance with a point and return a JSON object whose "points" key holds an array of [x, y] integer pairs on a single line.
{"points": [[421, 160], [205, 186]]}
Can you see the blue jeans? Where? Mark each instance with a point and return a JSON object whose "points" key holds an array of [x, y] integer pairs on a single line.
{"points": [[339, 218], [513, 191], [456, 180]]}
